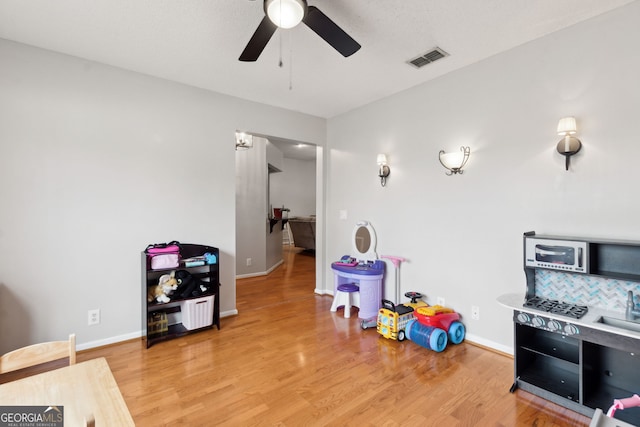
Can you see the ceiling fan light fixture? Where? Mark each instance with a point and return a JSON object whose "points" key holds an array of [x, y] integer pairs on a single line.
{"points": [[289, 13], [285, 13]]}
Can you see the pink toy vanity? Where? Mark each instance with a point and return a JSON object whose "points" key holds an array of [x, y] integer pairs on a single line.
{"points": [[367, 273]]}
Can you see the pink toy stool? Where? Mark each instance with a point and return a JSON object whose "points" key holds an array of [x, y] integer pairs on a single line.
{"points": [[347, 295]]}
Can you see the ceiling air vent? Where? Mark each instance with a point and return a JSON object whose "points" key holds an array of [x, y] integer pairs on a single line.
{"points": [[428, 57]]}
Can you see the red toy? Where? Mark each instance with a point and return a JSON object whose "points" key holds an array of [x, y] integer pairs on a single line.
{"points": [[444, 318]]}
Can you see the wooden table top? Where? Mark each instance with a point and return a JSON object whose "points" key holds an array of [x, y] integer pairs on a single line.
{"points": [[84, 389]]}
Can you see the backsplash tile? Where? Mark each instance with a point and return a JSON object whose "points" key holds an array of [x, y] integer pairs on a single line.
{"points": [[604, 293]]}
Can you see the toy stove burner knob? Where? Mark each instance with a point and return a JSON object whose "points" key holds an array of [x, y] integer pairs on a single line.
{"points": [[523, 318], [538, 322], [571, 329], [554, 325]]}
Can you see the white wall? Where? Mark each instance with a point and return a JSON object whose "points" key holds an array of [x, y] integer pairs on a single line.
{"points": [[97, 162], [295, 187], [463, 234], [251, 208], [255, 239]]}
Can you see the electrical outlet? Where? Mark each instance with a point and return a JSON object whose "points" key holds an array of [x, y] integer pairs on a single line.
{"points": [[440, 301], [248, 262], [94, 317], [475, 312]]}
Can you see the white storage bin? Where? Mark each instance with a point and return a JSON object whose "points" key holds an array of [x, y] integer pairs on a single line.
{"points": [[197, 313]]}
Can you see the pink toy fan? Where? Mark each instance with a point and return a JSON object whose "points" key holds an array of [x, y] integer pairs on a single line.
{"points": [[396, 260]]}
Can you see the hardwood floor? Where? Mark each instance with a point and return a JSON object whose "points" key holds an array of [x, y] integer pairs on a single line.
{"points": [[286, 360]]}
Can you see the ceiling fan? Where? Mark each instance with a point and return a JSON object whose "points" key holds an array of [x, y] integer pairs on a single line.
{"points": [[289, 13]]}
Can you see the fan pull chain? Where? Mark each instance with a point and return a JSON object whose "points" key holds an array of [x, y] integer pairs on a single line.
{"points": [[280, 62], [280, 49], [290, 61]]}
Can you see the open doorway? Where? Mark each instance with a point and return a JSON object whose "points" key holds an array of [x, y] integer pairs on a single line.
{"points": [[287, 192]]}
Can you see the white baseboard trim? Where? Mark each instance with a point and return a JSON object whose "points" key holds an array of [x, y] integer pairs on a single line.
{"points": [[229, 313], [132, 335], [260, 273], [110, 340], [246, 276], [487, 343]]}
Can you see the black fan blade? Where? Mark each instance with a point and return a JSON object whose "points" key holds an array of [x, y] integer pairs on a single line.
{"points": [[258, 41], [330, 32]]}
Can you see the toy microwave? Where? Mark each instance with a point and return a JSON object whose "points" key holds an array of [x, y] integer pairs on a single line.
{"points": [[556, 254]]}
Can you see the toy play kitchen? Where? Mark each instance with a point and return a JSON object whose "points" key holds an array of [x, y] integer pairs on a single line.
{"points": [[361, 270], [577, 326]]}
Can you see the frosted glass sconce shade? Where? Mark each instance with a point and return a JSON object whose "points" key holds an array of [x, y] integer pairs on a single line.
{"points": [[455, 161]]}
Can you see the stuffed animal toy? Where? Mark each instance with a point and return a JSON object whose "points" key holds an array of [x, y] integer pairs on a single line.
{"points": [[190, 286], [165, 287]]}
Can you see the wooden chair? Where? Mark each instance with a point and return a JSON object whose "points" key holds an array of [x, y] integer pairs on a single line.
{"points": [[38, 354]]}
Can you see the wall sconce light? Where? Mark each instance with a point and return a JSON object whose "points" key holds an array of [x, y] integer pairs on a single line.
{"points": [[569, 145], [383, 171], [243, 141], [455, 161]]}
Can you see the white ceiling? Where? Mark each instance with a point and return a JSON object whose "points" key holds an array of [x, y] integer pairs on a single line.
{"points": [[197, 42], [293, 149]]}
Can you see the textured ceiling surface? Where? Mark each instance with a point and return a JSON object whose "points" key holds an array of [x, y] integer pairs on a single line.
{"points": [[197, 42]]}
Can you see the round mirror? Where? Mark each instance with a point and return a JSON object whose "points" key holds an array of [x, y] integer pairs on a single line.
{"points": [[363, 242]]}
